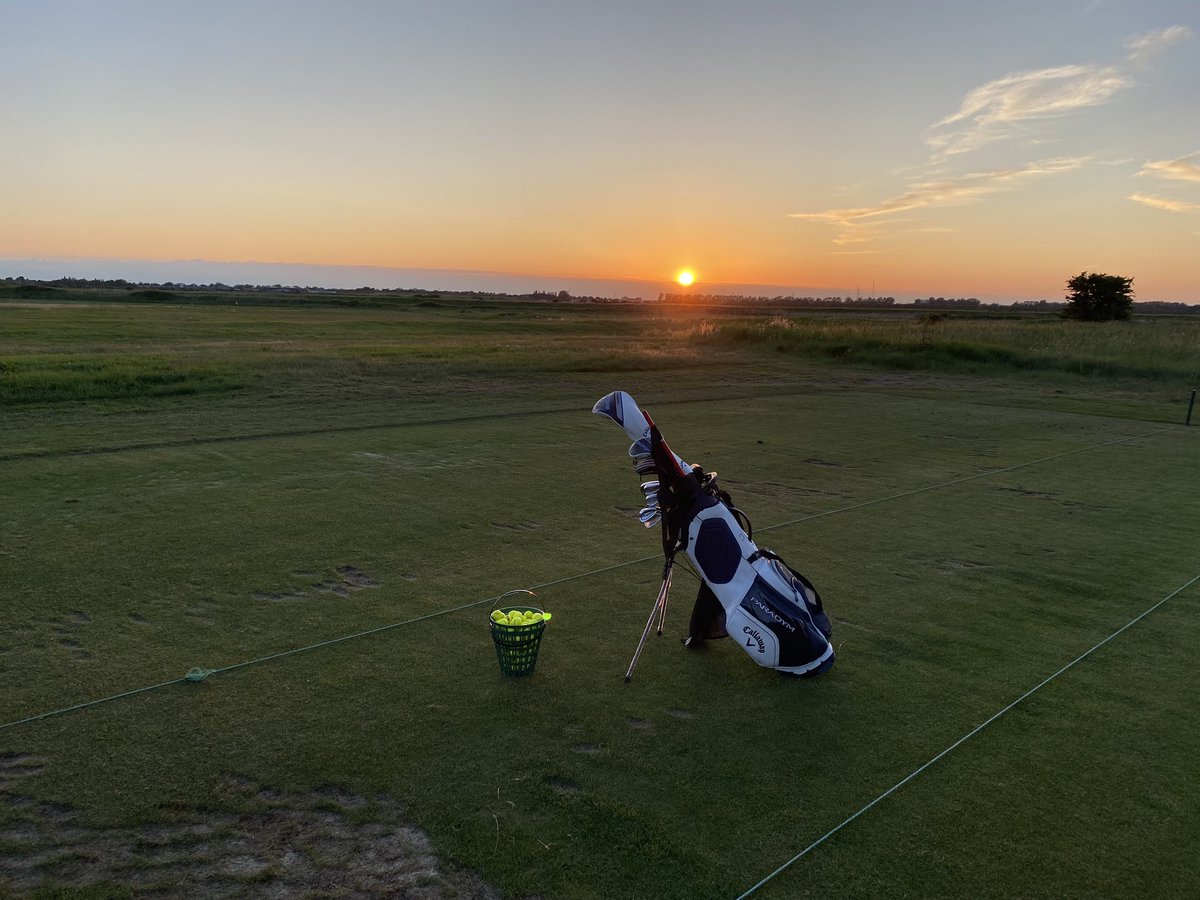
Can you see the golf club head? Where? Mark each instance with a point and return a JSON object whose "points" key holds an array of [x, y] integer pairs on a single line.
{"points": [[640, 449], [649, 516], [623, 410]]}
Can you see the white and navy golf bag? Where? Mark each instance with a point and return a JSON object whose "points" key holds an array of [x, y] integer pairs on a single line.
{"points": [[772, 612]]}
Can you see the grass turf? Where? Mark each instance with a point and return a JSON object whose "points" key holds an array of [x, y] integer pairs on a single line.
{"points": [[213, 528]]}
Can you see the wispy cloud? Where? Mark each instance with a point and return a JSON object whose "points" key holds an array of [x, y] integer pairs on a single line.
{"points": [[852, 235], [855, 223], [1143, 47], [1006, 107], [1186, 168], [1001, 108], [1170, 205]]}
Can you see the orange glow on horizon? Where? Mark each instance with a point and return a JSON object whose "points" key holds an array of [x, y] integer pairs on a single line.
{"points": [[686, 277]]}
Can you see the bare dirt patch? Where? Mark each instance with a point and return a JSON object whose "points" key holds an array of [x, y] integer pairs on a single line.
{"points": [[776, 489], [67, 629], [954, 565], [349, 579], [332, 587], [824, 463], [280, 597], [268, 843], [17, 766], [356, 577], [1052, 496], [518, 526]]}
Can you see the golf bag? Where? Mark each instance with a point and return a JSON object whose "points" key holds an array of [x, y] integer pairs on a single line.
{"points": [[773, 612]]}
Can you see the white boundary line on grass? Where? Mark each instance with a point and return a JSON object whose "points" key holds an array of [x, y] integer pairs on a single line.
{"points": [[970, 734], [338, 640]]}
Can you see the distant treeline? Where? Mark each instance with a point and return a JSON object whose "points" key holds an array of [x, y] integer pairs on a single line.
{"points": [[163, 291], [830, 302], [145, 287], [748, 299], [1156, 306]]}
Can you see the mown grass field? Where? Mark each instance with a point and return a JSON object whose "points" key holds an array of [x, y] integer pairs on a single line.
{"points": [[207, 485]]}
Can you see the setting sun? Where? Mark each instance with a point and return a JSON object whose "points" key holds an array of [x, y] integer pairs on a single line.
{"points": [[685, 277]]}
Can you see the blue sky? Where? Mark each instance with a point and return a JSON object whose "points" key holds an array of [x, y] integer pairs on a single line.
{"points": [[957, 149]]}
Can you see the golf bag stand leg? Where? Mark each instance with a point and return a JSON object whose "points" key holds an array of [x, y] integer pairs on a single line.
{"points": [[659, 612]]}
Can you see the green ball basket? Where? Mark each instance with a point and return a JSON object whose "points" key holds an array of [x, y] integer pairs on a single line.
{"points": [[517, 645]]}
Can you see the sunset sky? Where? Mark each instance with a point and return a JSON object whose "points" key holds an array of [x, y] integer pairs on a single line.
{"points": [[910, 148]]}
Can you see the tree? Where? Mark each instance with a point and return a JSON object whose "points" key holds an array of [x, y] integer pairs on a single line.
{"points": [[1094, 297]]}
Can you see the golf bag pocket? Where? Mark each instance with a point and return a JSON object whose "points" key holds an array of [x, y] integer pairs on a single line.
{"points": [[768, 608], [782, 622]]}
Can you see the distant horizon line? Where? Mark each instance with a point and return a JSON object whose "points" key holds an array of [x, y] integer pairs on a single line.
{"points": [[334, 270], [806, 301], [348, 277]]}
